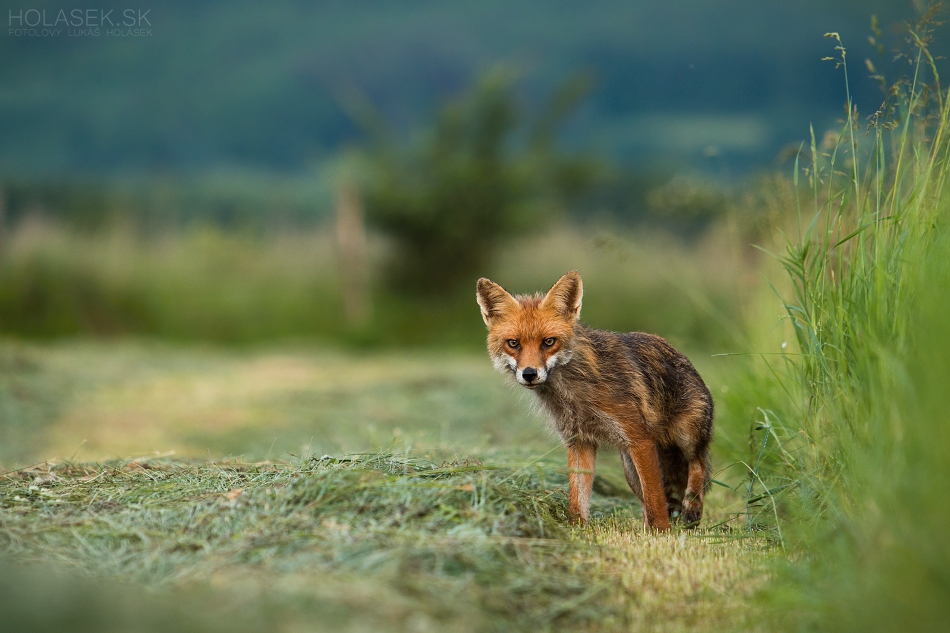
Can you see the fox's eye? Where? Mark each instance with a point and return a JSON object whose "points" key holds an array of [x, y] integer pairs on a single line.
{"points": [[549, 342], [513, 344]]}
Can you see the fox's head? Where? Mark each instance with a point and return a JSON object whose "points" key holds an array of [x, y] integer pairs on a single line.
{"points": [[530, 335]]}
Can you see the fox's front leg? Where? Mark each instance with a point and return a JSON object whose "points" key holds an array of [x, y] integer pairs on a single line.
{"points": [[580, 463], [647, 463]]}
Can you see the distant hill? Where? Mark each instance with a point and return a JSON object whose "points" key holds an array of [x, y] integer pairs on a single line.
{"points": [[258, 86]]}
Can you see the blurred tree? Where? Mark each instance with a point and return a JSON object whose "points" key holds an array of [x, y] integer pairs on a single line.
{"points": [[483, 172]]}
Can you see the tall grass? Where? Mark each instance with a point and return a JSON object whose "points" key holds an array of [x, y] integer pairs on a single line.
{"points": [[853, 455]]}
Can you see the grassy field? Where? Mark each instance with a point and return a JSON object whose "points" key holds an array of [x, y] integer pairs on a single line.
{"points": [[452, 514], [380, 542], [450, 511], [103, 400]]}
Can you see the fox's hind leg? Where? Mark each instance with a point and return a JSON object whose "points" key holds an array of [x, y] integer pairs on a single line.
{"points": [[695, 489], [642, 470], [692, 434], [675, 471]]}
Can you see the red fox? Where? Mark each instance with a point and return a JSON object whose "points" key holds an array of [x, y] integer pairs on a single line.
{"points": [[630, 390]]}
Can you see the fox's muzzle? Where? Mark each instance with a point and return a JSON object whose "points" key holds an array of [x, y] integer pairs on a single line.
{"points": [[531, 377]]}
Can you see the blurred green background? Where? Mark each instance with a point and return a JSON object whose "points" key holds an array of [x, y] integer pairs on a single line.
{"points": [[261, 89], [325, 171]]}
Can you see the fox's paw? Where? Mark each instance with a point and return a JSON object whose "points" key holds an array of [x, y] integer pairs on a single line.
{"points": [[691, 517], [692, 510]]}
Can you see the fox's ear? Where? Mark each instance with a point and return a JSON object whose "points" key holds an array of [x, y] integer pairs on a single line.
{"points": [[494, 300], [565, 296]]}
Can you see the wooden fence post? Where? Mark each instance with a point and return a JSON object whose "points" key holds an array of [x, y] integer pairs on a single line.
{"points": [[352, 254]]}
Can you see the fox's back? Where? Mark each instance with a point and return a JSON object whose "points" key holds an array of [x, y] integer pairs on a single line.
{"points": [[667, 373], [610, 370]]}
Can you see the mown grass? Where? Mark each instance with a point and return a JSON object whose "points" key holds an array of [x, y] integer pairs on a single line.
{"points": [[86, 400], [388, 540], [380, 542]]}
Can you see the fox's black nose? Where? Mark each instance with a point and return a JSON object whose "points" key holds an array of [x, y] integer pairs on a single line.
{"points": [[529, 374]]}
